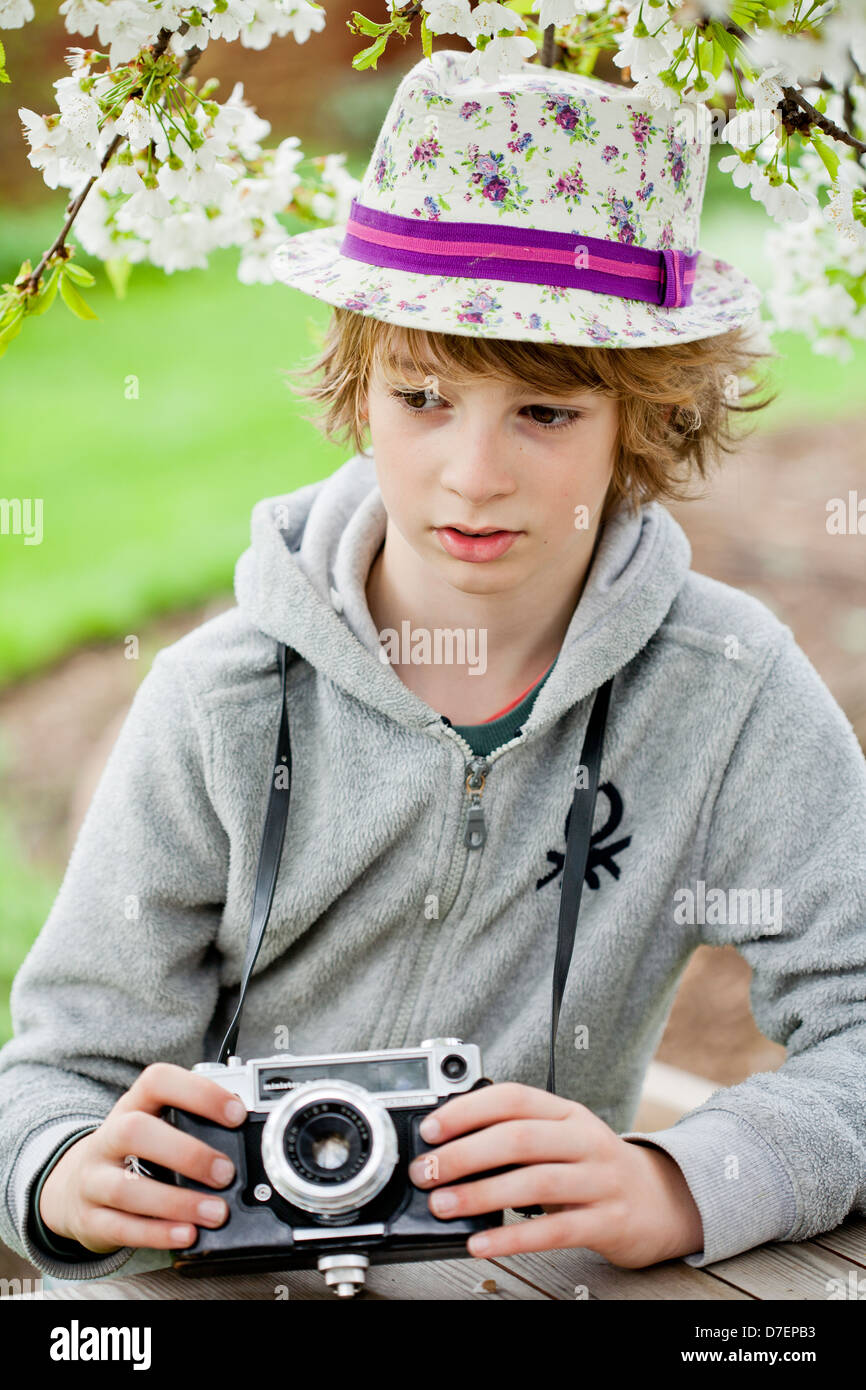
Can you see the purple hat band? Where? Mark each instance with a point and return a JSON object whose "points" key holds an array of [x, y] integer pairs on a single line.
{"points": [[569, 259]]}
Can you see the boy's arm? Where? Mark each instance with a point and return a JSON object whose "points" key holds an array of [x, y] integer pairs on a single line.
{"points": [[122, 973], [782, 1155]]}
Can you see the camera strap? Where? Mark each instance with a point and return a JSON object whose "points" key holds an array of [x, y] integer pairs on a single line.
{"points": [[579, 832], [270, 853]]}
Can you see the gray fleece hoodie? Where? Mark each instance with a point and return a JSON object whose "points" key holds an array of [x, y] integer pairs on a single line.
{"points": [[731, 808]]}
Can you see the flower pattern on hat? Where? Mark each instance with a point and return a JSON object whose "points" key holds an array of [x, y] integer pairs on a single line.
{"points": [[551, 150]]}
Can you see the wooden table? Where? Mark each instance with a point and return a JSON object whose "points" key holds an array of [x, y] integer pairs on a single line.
{"points": [[797, 1271]]}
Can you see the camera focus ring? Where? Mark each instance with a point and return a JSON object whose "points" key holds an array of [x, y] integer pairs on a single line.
{"points": [[329, 1147]]}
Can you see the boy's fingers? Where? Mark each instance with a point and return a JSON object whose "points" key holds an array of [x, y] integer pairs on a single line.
{"points": [[526, 1143], [108, 1186], [163, 1083], [507, 1100], [112, 1229], [145, 1137]]}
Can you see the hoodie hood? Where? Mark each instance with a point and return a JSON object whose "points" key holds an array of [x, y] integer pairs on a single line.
{"points": [[303, 582]]}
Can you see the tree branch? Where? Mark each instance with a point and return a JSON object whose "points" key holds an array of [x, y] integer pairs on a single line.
{"points": [[547, 56], [796, 99]]}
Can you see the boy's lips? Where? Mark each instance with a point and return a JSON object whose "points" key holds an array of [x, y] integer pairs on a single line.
{"points": [[475, 548]]}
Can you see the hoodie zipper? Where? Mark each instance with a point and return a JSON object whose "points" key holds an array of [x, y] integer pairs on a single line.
{"points": [[473, 837]]}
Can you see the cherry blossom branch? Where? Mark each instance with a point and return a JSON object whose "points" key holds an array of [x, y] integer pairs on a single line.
{"points": [[59, 247]]}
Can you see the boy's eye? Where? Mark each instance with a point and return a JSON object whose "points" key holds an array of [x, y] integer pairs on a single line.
{"points": [[415, 401]]}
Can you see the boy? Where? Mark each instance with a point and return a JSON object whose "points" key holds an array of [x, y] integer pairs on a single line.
{"points": [[731, 804]]}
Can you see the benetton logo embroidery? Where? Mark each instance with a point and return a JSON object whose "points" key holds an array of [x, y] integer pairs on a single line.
{"points": [[600, 855]]}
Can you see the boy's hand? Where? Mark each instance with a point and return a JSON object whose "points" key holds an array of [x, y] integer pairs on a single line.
{"points": [[96, 1193], [600, 1192]]}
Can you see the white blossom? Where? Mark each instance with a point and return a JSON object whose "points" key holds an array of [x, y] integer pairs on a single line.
{"points": [[767, 92], [562, 12], [277, 18], [181, 241], [203, 178], [490, 17], [196, 36], [82, 16], [783, 202], [15, 13], [237, 125], [649, 55], [56, 149], [499, 57], [742, 173], [138, 123], [45, 143], [450, 17], [794, 58], [77, 60], [118, 178], [748, 128], [255, 261], [304, 19], [801, 299], [342, 185], [142, 210], [657, 93], [228, 25], [840, 212], [841, 33], [125, 27]]}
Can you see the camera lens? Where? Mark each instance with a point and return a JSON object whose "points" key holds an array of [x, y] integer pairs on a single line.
{"points": [[329, 1147], [328, 1142], [454, 1066]]}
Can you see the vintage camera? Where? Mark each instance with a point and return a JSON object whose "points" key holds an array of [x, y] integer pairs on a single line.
{"points": [[321, 1162]]}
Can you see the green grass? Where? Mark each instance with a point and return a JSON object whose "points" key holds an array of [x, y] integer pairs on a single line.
{"points": [[146, 502]]}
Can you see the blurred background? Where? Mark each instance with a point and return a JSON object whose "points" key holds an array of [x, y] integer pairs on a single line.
{"points": [[148, 500]]}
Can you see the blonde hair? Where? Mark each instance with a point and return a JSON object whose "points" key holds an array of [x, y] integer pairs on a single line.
{"points": [[678, 402]]}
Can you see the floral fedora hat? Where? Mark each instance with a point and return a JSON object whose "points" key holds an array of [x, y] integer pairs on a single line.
{"points": [[542, 205]]}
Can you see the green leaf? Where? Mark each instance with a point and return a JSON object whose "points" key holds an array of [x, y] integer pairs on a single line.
{"points": [[426, 36], [732, 47], [4, 76], [723, 37], [746, 12], [712, 57], [118, 269], [74, 301], [359, 24], [44, 298], [12, 324], [369, 57], [829, 157], [78, 274]]}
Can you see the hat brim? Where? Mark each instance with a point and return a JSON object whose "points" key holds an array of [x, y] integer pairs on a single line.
{"points": [[722, 298]]}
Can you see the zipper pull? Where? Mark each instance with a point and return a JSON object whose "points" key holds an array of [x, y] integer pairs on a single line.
{"points": [[476, 829]]}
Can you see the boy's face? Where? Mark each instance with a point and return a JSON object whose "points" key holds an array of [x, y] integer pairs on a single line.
{"points": [[492, 454]]}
